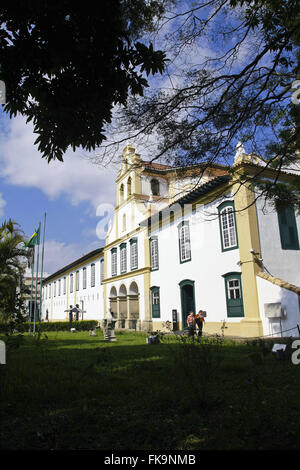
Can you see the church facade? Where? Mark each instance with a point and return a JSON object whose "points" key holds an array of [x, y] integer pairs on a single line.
{"points": [[185, 239]]}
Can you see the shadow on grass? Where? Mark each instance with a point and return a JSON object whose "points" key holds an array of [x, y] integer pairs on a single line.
{"points": [[68, 392]]}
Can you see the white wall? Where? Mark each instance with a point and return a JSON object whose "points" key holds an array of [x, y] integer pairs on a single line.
{"points": [[284, 264], [92, 297], [272, 293], [208, 264], [141, 255]]}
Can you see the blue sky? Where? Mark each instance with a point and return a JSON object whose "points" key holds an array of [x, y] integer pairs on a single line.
{"points": [[70, 193]]}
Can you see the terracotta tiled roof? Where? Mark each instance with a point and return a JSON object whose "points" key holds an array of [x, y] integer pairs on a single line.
{"points": [[196, 193], [157, 166], [214, 168]]}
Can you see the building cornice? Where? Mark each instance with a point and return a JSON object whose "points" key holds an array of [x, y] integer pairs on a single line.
{"points": [[120, 277]]}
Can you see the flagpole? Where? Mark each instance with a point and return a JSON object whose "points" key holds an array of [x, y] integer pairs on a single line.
{"points": [[41, 279], [30, 306], [36, 279]]}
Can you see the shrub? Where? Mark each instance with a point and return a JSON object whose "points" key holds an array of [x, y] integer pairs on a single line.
{"points": [[81, 325]]}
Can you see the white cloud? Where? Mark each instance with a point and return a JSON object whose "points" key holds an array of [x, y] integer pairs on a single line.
{"points": [[2, 204], [76, 178], [60, 254]]}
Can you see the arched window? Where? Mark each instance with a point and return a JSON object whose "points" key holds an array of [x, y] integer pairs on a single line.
{"points": [[133, 253], [154, 253], [133, 289], [114, 261], [122, 291], [227, 226], [84, 278], [122, 192], [155, 187], [101, 270], [92, 275], [184, 242], [129, 187], [113, 292], [123, 258], [71, 283]]}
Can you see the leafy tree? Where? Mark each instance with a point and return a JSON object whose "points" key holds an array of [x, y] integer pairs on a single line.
{"points": [[12, 255], [234, 76], [66, 64]]}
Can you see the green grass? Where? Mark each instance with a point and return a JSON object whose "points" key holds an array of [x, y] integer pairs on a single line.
{"points": [[75, 391]]}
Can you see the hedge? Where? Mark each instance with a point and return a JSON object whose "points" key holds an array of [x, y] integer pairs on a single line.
{"points": [[81, 325]]}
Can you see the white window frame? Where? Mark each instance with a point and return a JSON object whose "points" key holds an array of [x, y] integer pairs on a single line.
{"points": [[133, 255], [154, 253], [93, 275], [123, 258], [228, 228], [184, 242], [101, 270], [77, 281], [234, 289], [84, 278], [114, 262]]}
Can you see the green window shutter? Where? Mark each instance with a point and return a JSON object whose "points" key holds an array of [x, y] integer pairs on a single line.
{"points": [[234, 295], [288, 228], [155, 302]]}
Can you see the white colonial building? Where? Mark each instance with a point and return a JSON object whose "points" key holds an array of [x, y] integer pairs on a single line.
{"points": [[79, 283], [185, 239]]}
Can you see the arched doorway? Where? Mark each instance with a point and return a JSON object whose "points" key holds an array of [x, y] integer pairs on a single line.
{"points": [[113, 301], [134, 310], [187, 295], [122, 299]]}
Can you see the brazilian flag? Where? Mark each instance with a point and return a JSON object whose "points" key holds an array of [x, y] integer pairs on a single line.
{"points": [[34, 239]]}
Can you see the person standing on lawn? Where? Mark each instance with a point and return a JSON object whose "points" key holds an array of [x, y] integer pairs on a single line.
{"points": [[191, 323], [199, 320]]}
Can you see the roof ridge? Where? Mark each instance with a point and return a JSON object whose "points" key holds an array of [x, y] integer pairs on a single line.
{"points": [[279, 282], [85, 257]]}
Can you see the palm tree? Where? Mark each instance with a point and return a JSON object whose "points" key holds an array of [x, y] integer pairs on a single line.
{"points": [[12, 268]]}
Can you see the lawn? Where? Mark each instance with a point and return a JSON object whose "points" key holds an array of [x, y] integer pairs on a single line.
{"points": [[74, 391]]}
